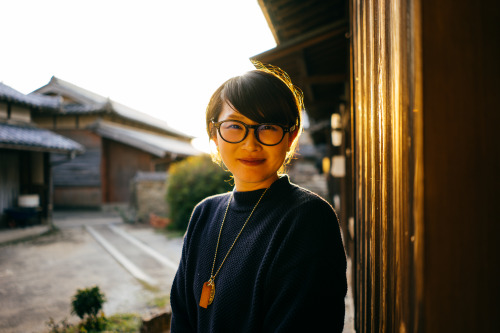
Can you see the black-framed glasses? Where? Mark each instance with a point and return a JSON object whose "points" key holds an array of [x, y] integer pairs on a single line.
{"points": [[235, 131]]}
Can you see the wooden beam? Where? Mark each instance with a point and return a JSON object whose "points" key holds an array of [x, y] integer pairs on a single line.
{"points": [[302, 65], [269, 21], [335, 30], [324, 79]]}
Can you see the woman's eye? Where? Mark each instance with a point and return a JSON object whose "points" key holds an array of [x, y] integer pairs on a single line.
{"points": [[234, 126], [270, 128]]}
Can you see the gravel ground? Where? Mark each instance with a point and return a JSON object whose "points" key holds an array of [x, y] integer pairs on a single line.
{"points": [[39, 277]]}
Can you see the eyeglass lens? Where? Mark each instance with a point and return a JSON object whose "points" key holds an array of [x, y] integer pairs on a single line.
{"points": [[267, 134]]}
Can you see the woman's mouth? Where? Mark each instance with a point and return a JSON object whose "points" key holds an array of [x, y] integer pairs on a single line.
{"points": [[252, 161]]}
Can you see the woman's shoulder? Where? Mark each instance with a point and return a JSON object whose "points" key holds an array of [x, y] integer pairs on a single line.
{"points": [[295, 203], [301, 197], [306, 221], [213, 201], [206, 208], [308, 204]]}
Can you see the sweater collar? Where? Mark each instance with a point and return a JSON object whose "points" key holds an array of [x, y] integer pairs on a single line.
{"points": [[246, 200]]}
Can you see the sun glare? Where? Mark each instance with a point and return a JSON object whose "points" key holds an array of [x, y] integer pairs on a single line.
{"points": [[163, 58]]}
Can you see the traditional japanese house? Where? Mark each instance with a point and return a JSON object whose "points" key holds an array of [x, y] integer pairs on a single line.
{"points": [[412, 88], [25, 164], [119, 142]]}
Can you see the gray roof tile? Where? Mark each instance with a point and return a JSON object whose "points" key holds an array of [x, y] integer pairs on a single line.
{"points": [[155, 144], [27, 137], [11, 95], [91, 102]]}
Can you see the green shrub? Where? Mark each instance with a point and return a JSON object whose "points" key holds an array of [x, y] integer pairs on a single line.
{"points": [[190, 181], [88, 302]]}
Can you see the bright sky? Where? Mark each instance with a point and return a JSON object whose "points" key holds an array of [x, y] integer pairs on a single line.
{"points": [[161, 57]]}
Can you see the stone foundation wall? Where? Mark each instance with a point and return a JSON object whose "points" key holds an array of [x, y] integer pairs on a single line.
{"points": [[148, 195]]}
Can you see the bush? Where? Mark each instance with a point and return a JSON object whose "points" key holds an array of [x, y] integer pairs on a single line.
{"points": [[88, 302], [190, 181]]}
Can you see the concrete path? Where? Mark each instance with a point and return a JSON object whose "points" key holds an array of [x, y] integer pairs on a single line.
{"points": [[38, 277]]}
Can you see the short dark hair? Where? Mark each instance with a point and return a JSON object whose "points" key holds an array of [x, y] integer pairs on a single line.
{"points": [[265, 95]]}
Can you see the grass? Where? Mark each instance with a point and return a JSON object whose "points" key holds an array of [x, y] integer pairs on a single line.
{"points": [[124, 323], [127, 322], [160, 301]]}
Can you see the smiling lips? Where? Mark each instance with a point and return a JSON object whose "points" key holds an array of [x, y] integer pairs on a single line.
{"points": [[252, 161]]}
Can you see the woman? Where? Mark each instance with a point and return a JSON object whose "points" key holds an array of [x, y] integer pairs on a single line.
{"points": [[267, 257]]}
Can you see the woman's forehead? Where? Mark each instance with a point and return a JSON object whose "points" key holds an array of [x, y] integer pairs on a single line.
{"points": [[230, 112], [252, 115]]}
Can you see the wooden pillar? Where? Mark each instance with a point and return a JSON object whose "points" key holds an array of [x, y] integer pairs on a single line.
{"points": [[48, 188], [387, 146]]}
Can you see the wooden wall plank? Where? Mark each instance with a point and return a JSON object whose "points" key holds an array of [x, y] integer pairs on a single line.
{"points": [[123, 162], [461, 48]]}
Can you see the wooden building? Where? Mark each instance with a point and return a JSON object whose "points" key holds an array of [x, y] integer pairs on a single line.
{"points": [[119, 142], [25, 166], [420, 146]]}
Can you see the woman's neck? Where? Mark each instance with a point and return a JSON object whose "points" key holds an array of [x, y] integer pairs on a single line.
{"points": [[242, 186]]}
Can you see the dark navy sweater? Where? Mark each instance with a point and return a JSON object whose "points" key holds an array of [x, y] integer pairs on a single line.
{"points": [[286, 272]]}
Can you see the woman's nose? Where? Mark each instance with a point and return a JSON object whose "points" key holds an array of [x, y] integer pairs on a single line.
{"points": [[250, 142]]}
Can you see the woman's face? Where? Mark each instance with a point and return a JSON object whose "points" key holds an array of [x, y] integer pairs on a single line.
{"points": [[253, 165]]}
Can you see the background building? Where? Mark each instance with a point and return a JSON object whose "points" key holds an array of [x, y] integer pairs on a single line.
{"points": [[25, 165], [119, 142]]}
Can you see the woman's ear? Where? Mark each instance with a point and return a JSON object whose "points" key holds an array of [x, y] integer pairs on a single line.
{"points": [[291, 137], [213, 133]]}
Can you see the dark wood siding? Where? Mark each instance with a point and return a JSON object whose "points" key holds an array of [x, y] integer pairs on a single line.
{"points": [[77, 182], [461, 71], [427, 165], [121, 163], [82, 171], [9, 181]]}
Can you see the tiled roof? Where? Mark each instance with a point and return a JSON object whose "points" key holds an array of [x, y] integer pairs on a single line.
{"points": [[27, 137], [155, 144], [79, 108], [91, 102], [11, 95]]}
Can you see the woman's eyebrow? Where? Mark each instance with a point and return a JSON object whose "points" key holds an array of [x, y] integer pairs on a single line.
{"points": [[236, 116]]}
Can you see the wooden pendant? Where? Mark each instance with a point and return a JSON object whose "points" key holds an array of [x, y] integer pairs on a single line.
{"points": [[207, 294]]}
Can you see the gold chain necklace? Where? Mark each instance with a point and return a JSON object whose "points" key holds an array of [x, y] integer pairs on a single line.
{"points": [[208, 291]]}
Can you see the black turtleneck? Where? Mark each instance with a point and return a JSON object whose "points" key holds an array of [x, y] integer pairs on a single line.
{"points": [[286, 272]]}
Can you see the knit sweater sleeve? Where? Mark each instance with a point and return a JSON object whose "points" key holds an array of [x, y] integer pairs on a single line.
{"points": [[181, 321], [306, 283]]}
